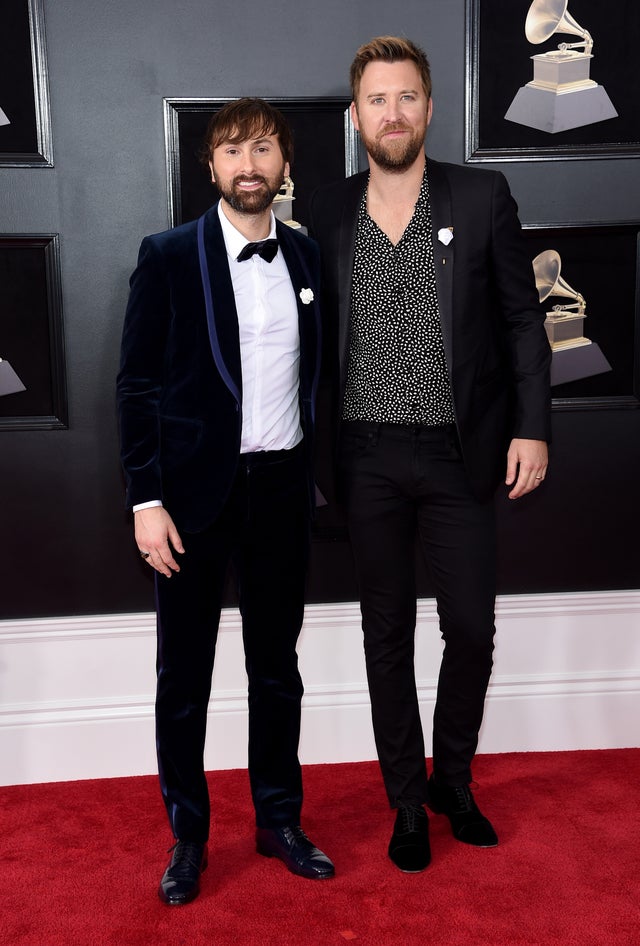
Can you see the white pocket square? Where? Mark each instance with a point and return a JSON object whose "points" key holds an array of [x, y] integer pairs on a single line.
{"points": [[445, 235]]}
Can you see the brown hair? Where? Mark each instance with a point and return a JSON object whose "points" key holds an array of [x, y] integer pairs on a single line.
{"points": [[244, 120], [389, 49]]}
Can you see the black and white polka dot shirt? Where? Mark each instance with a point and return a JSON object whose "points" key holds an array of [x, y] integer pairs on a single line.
{"points": [[397, 371]]}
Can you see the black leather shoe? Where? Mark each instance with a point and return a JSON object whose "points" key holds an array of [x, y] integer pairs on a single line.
{"points": [[409, 845], [295, 850], [467, 821], [181, 880]]}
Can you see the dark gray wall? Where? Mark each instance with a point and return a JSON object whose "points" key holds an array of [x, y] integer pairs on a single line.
{"points": [[67, 544]]}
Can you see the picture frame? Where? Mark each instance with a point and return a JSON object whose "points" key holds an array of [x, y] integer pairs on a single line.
{"points": [[324, 140], [498, 64], [25, 118], [601, 262], [31, 332]]}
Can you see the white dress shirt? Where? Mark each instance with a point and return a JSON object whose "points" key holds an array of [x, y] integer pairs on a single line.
{"points": [[269, 347]]}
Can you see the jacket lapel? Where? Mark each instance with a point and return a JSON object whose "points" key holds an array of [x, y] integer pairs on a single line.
{"points": [[222, 316], [309, 324], [443, 254], [346, 250]]}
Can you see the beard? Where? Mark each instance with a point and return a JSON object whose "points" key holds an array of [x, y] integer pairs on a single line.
{"points": [[250, 202], [395, 155]]}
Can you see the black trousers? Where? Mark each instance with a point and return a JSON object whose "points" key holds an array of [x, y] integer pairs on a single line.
{"points": [[399, 484], [264, 531]]}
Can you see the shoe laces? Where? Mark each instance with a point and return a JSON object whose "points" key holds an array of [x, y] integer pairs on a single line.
{"points": [[295, 834], [409, 816], [186, 855], [464, 801]]}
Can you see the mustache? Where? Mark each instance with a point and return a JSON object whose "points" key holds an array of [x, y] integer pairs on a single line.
{"points": [[392, 126], [244, 179]]}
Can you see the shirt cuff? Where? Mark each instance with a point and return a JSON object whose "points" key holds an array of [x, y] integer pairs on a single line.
{"points": [[149, 505]]}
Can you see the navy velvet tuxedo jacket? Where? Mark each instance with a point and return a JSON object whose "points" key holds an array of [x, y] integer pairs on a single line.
{"points": [[497, 351], [180, 381]]}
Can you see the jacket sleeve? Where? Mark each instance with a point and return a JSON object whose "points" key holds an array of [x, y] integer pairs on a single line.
{"points": [[523, 318], [140, 378]]}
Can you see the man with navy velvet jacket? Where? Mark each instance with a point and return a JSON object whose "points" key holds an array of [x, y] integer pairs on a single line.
{"points": [[216, 394], [441, 364]]}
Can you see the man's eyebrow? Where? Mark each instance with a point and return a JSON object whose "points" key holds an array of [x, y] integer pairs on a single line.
{"points": [[375, 95], [264, 139]]}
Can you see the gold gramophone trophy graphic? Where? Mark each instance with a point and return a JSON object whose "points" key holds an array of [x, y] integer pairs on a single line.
{"points": [[561, 95], [283, 204], [573, 354]]}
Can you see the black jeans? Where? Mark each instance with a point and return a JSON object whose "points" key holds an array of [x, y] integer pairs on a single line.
{"points": [[400, 483], [264, 531]]}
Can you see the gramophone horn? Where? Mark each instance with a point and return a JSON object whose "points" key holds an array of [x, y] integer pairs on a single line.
{"points": [[546, 17], [546, 268]]}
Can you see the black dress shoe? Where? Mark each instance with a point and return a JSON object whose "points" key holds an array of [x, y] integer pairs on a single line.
{"points": [[181, 880], [409, 845], [467, 821], [295, 850]]}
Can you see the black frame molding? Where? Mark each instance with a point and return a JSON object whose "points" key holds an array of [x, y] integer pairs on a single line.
{"points": [[602, 262], [498, 63], [31, 332], [24, 87]]}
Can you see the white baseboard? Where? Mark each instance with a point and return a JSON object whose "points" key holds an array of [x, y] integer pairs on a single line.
{"points": [[76, 694]]}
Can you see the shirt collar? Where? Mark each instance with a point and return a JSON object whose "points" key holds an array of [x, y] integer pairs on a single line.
{"points": [[234, 241]]}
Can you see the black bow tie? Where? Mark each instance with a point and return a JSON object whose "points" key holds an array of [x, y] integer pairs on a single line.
{"points": [[267, 249]]}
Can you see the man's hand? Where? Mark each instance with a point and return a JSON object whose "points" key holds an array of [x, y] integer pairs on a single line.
{"points": [[154, 531], [526, 466]]}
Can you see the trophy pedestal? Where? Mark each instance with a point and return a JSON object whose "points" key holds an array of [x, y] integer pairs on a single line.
{"points": [[571, 364], [561, 95], [10, 383], [561, 71], [283, 210], [565, 331]]}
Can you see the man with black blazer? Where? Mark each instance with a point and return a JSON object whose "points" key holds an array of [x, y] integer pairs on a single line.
{"points": [[216, 394], [441, 363]]}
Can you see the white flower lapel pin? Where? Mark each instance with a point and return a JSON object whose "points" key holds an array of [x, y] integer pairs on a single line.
{"points": [[306, 295], [445, 235]]}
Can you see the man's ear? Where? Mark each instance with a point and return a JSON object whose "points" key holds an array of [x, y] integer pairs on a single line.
{"points": [[429, 111], [213, 179], [353, 111]]}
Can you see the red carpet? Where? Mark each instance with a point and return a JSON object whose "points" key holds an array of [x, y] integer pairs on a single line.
{"points": [[81, 862]]}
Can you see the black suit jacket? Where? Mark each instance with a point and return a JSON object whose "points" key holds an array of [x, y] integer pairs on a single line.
{"points": [[497, 351], [180, 382]]}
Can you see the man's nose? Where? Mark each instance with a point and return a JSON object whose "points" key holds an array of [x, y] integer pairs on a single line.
{"points": [[247, 165], [392, 110]]}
